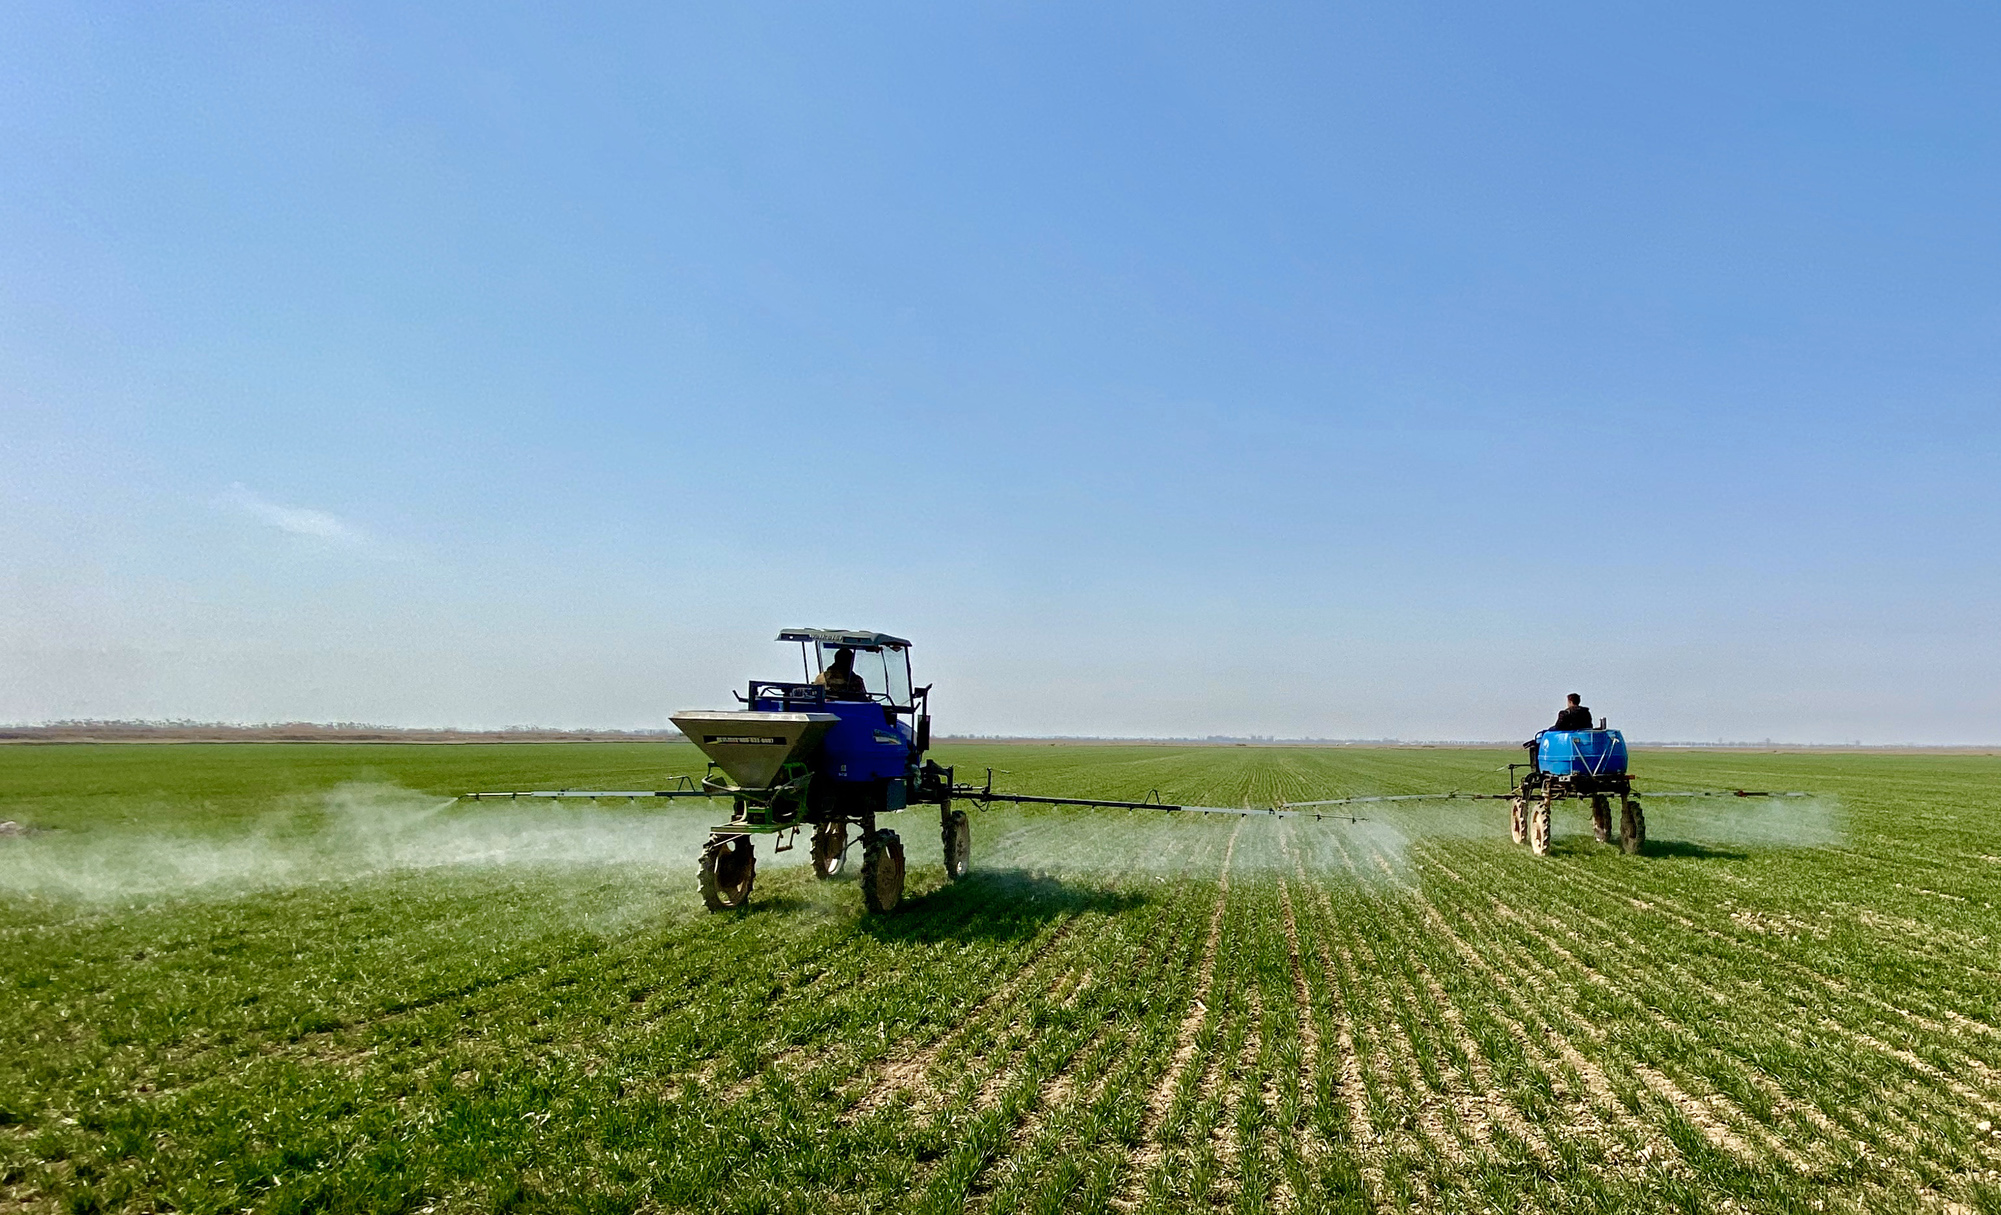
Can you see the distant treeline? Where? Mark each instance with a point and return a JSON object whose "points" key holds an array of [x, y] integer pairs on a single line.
{"points": [[307, 731], [350, 731]]}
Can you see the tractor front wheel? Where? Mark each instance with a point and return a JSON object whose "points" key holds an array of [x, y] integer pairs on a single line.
{"points": [[1539, 829], [1632, 827], [830, 850], [728, 870], [1601, 819], [958, 832], [1518, 821], [882, 872]]}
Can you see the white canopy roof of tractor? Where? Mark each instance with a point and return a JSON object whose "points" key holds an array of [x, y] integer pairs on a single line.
{"points": [[853, 638]]}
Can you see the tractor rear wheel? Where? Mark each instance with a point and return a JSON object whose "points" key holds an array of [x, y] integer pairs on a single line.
{"points": [[1632, 827], [830, 850], [1539, 829], [1518, 820], [958, 832], [882, 872], [728, 870], [1601, 819]]}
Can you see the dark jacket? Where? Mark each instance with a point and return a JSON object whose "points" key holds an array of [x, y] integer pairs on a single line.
{"points": [[1573, 717], [842, 685]]}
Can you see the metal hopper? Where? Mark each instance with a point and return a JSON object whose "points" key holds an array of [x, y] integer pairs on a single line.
{"points": [[752, 748]]}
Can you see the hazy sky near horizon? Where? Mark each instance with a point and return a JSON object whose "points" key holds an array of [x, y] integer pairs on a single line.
{"points": [[1308, 370]]}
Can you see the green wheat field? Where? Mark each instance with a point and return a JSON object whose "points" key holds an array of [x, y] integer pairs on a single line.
{"points": [[299, 978]]}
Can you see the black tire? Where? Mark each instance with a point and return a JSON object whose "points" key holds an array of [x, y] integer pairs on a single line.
{"points": [[1632, 828], [728, 870], [1518, 821], [1539, 829], [882, 873], [957, 831], [1601, 819], [830, 850]]}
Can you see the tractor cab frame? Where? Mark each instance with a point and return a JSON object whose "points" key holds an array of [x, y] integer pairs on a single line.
{"points": [[882, 661]]}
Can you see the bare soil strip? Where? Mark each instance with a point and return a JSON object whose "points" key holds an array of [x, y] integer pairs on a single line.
{"points": [[1309, 1033]]}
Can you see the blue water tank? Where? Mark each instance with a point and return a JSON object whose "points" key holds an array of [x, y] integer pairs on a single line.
{"points": [[1575, 752]]}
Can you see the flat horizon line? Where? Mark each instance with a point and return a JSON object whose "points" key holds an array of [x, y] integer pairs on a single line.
{"points": [[83, 730]]}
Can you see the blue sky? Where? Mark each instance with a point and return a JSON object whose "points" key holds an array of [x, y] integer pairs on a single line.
{"points": [[1335, 371]]}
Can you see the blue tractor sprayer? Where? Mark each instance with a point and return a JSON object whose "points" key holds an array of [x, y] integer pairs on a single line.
{"points": [[845, 746], [832, 753], [1580, 764], [1587, 765]]}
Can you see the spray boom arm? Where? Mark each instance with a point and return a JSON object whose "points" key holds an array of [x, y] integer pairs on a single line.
{"points": [[686, 787], [983, 795]]}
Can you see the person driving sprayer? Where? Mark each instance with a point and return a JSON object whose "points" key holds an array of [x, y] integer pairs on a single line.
{"points": [[840, 679], [1573, 716]]}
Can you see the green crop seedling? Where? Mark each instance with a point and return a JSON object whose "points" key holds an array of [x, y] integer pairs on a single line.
{"points": [[301, 978]]}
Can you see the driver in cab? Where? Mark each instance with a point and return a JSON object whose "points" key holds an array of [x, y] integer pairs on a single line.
{"points": [[840, 679], [1573, 716]]}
